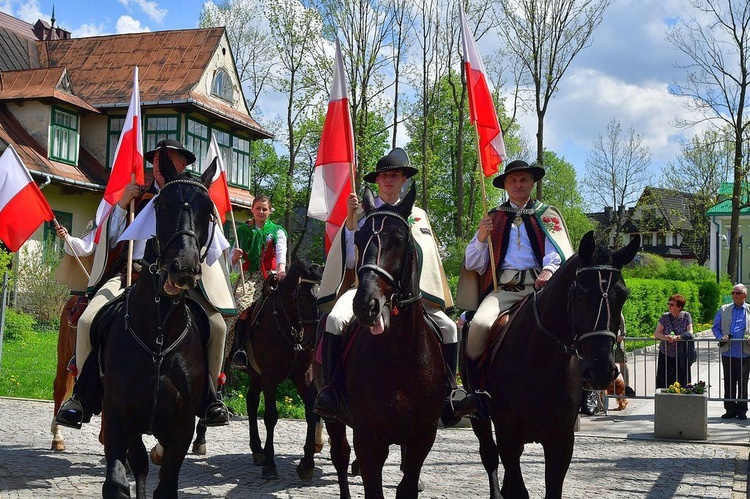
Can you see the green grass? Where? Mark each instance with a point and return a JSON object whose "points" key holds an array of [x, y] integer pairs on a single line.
{"points": [[28, 366]]}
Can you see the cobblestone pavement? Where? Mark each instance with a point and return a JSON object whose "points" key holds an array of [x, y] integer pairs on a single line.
{"points": [[603, 465]]}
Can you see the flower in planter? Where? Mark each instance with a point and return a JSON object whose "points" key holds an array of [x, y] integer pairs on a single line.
{"points": [[691, 388]]}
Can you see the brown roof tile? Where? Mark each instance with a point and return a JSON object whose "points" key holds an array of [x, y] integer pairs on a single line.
{"points": [[39, 84]]}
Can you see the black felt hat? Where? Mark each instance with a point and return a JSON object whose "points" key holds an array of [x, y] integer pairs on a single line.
{"points": [[518, 166], [397, 159], [171, 144]]}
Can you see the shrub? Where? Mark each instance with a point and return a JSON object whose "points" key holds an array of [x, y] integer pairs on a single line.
{"points": [[18, 325], [648, 301], [39, 293]]}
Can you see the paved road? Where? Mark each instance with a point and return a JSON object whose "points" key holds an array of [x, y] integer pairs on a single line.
{"points": [[615, 457]]}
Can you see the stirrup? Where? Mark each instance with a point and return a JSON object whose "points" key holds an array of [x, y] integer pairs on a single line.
{"points": [[216, 414], [70, 414], [239, 359]]}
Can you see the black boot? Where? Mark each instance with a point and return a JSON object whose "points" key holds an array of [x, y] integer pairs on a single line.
{"points": [[239, 359], [327, 402], [86, 398], [216, 412], [450, 357], [476, 402]]}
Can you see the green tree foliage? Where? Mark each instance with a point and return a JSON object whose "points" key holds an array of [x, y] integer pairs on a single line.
{"points": [[561, 190]]}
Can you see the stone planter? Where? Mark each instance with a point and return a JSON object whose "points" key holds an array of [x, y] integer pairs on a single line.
{"points": [[681, 416]]}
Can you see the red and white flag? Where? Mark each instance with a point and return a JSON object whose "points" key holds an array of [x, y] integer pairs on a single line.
{"points": [[128, 160], [334, 167], [23, 207], [218, 190], [481, 108]]}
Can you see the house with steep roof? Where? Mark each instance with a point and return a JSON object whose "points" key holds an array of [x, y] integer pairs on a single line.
{"points": [[665, 219], [63, 102]]}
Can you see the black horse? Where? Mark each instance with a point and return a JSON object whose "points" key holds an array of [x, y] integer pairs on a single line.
{"points": [[395, 375], [557, 337], [282, 340], [156, 377]]}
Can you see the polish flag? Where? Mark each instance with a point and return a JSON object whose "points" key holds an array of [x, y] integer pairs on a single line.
{"points": [[23, 207], [218, 190], [128, 161], [334, 167], [481, 108]]}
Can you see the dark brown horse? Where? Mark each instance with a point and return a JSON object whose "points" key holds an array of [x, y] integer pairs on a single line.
{"points": [[558, 337], [395, 375], [282, 339], [153, 356]]}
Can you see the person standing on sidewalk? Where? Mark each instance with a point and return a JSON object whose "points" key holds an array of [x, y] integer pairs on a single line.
{"points": [[733, 321], [675, 330]]}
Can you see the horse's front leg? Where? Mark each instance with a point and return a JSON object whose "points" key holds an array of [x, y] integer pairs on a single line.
{"points": [[488, 453], [412, 460], [252, 402], [175, 449], [371, 453], [510, 453], [340, 454], [270, 418], [138, 461], [306, 467], [557, 456], [116, 484]]}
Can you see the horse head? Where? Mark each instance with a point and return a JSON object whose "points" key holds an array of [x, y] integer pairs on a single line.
{"points": [[596, 298], [184, 226], [387, 268]]}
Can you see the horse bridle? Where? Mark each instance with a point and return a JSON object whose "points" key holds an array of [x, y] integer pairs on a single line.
{"points": [[400, 297], [187, 209], [604, 306]]}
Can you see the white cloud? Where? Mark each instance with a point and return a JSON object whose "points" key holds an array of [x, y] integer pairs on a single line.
{"points": [[88, 30], [126, 24], [150, 8]]}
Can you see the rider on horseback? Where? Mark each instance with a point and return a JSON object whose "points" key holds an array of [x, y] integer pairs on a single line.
{"points": [[529, 241], [391, 174], [72, 413], [262, 246]]}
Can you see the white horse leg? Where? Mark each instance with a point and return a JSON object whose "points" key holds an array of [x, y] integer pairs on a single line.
{"points": [[319, 436], [58, 443]]}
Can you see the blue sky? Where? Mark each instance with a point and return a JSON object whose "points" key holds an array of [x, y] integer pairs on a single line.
{"points": [[625, 74]]}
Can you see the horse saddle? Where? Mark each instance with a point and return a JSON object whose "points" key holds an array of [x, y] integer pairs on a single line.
{"points": [[76, 310], [499, 330]]}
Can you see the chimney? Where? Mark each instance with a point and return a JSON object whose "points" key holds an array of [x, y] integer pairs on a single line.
{"points": [[608, 213]]}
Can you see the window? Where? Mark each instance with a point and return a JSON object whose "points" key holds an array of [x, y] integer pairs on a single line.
{"points": [[239, 172], [661, 238], [63, 136], [198, 137], [160, 128], [50, 234], [222, 85], [114, 130]]}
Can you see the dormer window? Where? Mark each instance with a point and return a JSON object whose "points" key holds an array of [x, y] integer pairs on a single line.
{"points": [[222, 85]]}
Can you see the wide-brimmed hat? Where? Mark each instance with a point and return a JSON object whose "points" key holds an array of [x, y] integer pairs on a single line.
{"points": [[397, 159], [171, 144], [518, 166]]}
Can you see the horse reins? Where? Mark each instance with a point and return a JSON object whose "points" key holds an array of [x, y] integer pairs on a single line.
{"points": [[156, 356], [604, 306], [396, 300]]}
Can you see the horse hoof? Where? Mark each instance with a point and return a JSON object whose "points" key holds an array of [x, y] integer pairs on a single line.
{"points": [[259, 459], [304, 473], [355, 468], [199, 449], [155, 457], [269, 473], [318, 448], [58, 445]]}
